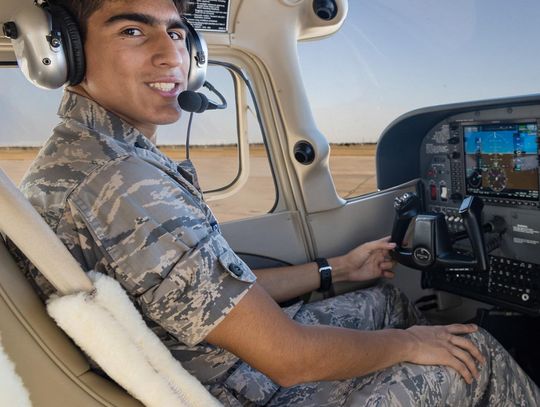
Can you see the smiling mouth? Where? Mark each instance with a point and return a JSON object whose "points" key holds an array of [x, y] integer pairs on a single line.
{"points": [[163, 86]]}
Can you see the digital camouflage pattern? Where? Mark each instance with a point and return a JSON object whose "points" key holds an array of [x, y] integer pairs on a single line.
{"points": [[502, 382], [124, 209]]}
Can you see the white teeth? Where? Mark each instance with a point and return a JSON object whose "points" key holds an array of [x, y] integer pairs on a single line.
{"points": [[163, 86]]}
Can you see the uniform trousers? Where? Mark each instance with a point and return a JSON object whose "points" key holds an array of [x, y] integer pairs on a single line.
{"points": [[502, 382]]}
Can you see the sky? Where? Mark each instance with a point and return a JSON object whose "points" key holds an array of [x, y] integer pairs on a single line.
{"points": [[390, 57], [393, 56]]}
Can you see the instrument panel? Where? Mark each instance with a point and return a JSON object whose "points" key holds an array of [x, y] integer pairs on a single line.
{"points": [[492, 154]]}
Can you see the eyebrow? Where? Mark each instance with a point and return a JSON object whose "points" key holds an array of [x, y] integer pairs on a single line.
{"points": [[145, 19]]}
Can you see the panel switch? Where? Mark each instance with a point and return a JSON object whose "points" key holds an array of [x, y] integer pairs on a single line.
{"points": [[444, 193], [433, 192]]}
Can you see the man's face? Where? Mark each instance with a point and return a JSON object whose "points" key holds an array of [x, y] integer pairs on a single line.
{"points": [[137, 61]]}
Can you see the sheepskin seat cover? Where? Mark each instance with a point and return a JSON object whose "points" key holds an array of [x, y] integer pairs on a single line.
{"points": [[106, 325]]}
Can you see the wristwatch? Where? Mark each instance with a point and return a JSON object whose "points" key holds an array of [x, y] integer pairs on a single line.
{"points": [[325, 273]]}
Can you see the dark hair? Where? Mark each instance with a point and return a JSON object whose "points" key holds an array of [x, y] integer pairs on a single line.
{"points": [[81, 10]]}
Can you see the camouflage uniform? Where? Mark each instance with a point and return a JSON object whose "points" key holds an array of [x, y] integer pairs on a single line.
{"points": [[124, 209]]}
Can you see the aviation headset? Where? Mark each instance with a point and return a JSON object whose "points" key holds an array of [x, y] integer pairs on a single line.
{"points": [[50, 51]]}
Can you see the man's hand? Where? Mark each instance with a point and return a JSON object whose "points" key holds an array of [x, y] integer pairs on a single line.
{"points": [[367, 261], [444, 345]]}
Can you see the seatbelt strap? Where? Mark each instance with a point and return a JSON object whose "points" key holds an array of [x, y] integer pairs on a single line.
{"points": [[21, 223]]}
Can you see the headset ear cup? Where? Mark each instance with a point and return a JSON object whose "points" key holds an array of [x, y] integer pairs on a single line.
{"points": [[198, 58], [73, 44]]}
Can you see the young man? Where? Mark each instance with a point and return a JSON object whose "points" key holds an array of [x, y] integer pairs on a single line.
{"points": [[123, 208]]}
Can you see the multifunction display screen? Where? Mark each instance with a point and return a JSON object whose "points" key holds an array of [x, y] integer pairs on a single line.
{"points": [[501, 160]]}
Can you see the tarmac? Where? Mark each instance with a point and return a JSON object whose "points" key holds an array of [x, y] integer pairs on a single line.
{"points": [[352, 167]]}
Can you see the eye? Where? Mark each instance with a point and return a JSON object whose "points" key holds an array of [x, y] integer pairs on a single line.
{"points": [[177, 36], [132, 32]]}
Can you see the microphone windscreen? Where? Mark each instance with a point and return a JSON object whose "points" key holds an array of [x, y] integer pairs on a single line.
{"points": [[191, 101]]}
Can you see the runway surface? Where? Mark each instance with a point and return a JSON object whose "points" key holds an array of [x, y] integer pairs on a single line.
{"points": [[352, 167]]}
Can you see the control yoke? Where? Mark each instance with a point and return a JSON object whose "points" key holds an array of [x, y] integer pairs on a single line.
{"points": [[431, 244]]}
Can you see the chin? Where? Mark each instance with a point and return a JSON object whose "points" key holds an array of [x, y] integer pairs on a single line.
{"points": [[170, 118]]}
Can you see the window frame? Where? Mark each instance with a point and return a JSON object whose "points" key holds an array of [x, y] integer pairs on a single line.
{"points": [[243, 86]]}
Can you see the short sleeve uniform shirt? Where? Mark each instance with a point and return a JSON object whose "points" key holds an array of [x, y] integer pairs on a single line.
{"points": [[124, 209]]}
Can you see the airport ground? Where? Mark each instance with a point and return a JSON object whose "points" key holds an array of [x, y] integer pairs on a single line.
{"points": [[352, 167]]}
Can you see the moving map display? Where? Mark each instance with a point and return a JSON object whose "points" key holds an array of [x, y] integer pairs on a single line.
{"points": [[501, 160]]}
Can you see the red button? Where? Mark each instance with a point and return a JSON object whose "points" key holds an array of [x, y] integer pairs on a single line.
{"points": [[433, 192]]}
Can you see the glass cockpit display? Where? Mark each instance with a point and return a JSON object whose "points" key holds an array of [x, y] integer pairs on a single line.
{"points": [[501, 160]]}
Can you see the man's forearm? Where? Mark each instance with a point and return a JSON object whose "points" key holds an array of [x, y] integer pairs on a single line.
{"points": [[291, 353], [329, 353], [258, 332], [285, 283]]}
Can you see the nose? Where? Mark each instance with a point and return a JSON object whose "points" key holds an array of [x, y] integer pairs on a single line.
{"points": [[168, 52]]}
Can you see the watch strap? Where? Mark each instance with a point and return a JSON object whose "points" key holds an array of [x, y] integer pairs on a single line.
{"points": [[325, 273]]}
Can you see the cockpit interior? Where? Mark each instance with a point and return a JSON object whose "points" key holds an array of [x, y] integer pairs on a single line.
{"points": [[457, 189], [471, 222]]}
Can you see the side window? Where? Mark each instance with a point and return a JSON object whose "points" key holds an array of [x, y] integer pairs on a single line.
{"points": [[213, 136], [227, 146], [28, 114], [27, 117], [391, 57]]}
